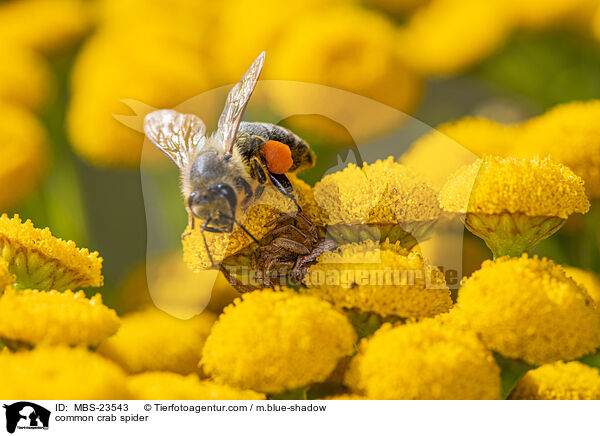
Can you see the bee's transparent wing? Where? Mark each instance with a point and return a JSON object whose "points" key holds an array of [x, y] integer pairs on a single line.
{"points": [[236, 103], [177, 135]]}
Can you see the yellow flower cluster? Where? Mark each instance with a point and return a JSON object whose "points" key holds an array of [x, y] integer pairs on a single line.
{"points": [[559, 381], [24, 81], [52, 317], [171, 386], [386, 281], [392, 199], [513, 204], [294, 340], [534, 187], [569, 133], [41, 261], [151, 340], [425, 361], [48, 373], [527, 308]]}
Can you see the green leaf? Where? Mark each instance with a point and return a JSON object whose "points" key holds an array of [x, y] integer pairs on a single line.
{"points": [[591, 359], [511, 371]]}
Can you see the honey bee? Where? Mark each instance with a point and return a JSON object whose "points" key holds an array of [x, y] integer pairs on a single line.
{"points": [[235, 162]]}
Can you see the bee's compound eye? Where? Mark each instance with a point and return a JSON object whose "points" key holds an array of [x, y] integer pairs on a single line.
{"points": [[196, 201]]}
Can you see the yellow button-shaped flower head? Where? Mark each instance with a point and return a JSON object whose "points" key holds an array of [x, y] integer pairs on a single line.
{"points": [[527, 308], [378, 201], [559, 381], [156, 385], [448, 147], [23, 155], [52, 317], [425, 361], [48, 373], [151, 340], [512, 204], [237, 247], [386, 280], [570, 134], [40, 261], [276, 341], [24, 82]]}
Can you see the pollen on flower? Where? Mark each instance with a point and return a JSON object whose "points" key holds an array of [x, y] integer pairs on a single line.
{"points": [[294, 340], [155, 385], [527, 308], [384, 194], [255, 218], [569, 134], [52, 317], [151, 340], [47, 373], [424, 360], [559, 381], [384, 279]]}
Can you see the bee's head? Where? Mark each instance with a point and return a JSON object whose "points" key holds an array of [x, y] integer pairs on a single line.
{"points": [[215, 206]]}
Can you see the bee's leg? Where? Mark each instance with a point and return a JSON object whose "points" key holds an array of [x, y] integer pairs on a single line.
{"points": [[191, 224], [283, 185], [212, 263], [247, 189]]}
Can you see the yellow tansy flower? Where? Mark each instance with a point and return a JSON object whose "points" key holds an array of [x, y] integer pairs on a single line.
{"points": [[385, 280], [346, 397], [172, 386], [48, 373], [41, 261], [449, 36], [425, 361], [53, 317], [442, 151], [276, 341], [527, 308], [378, 201], [255, 218], [51, 24], [588, 280], [24, 81], [540, 14], [512, 204], [23, 154], [559, 381], [151, 340], [569, 133]]}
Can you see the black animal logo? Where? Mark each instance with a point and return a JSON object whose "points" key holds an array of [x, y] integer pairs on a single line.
{"points": [[24, 414]]}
